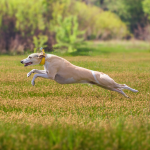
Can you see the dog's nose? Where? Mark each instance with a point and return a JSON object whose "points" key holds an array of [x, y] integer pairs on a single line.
{"points": [[21, 61]]}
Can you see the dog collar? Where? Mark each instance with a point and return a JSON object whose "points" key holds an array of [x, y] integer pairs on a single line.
{"points": [[43, 59]]}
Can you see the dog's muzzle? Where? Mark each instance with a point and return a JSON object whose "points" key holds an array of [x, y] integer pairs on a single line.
{"points": [[21, 62]]}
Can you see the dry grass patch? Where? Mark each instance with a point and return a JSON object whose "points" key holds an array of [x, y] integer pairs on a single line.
{"points": [[77, 109]]}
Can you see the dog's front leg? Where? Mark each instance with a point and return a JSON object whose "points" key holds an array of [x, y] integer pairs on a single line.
{"points": [[36, 71], [39, 75]]}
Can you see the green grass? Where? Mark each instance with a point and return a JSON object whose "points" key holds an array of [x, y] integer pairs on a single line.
{"points": [[105, 48], [58, 136], [77, 116]]}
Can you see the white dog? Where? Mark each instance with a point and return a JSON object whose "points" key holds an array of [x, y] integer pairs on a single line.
{"points": [[63, 72]]}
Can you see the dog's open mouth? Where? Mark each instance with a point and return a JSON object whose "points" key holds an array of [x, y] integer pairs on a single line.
{"points": [[27, 64]]}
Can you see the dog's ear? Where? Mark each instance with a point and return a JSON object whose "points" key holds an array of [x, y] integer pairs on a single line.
{"points": [[41, 55]]}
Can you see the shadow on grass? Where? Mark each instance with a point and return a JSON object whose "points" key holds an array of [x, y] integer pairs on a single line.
{"points": [[95, 51], [88, 51]]}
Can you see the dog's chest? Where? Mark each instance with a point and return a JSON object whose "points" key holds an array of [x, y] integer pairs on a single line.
{"points": [[62, 80]]}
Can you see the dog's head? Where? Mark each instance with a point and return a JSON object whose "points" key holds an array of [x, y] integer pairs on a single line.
{"points": [[33, 59]]}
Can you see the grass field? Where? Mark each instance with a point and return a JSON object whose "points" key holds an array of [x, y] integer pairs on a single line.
{"points": [[79, 116]]}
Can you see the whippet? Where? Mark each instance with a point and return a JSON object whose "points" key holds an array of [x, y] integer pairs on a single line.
{"points": [[63, 72]]}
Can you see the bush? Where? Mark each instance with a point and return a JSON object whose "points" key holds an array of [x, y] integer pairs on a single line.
{"points": [[67, 33], [146, 7], [98, 23], [39, 42], [21, 20]]}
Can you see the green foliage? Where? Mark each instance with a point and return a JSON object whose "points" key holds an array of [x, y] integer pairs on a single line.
{"points": [[21, 20], [146, 7], [39, 42], [25, 19], [130, 11], [96, 22], [60, 8], [119, 135], [28, 14], [67, 33]]}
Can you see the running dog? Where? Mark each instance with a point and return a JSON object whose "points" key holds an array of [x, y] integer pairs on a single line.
{"points": [[63, 72]]}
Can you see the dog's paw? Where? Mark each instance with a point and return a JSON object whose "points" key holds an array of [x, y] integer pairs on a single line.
{"points": [[33, 82], [29, 74]]}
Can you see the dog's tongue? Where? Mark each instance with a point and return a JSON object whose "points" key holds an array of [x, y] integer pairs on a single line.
{"points": [[28, 64]]}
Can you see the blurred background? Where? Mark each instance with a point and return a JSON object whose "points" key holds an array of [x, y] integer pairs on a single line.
{"points": [[66, 25]]}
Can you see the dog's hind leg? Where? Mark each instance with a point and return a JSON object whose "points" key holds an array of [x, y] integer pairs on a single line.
{"points": [[128, 88], [124, 86], [120, 91]]}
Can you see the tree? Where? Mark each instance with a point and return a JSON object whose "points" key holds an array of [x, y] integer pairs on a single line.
{"points": [[130, 11], [146, 7], [67, 34]]}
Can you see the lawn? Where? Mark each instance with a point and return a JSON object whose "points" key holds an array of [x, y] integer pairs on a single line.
{"points": [[78, 116]]}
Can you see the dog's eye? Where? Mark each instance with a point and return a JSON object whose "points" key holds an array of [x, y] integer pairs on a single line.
{"points": [[30, 57]]}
